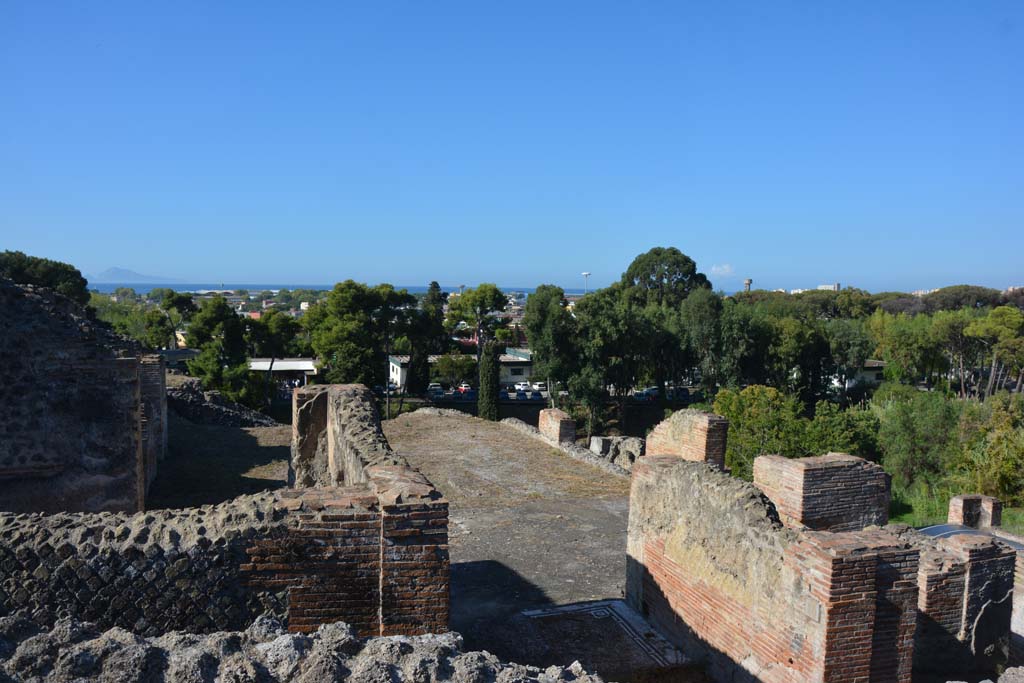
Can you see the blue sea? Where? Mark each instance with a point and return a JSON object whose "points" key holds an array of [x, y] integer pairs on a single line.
{"points": [[145, 287]]}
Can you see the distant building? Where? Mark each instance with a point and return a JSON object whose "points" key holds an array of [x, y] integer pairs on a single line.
{"points": [[286, 368], [746, 284], [516, 365], [834, 287]]}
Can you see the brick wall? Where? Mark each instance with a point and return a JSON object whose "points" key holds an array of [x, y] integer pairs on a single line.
{"points": [[691, 435], [712, 567], [975, 511], [70, 414], [833, 492], [556, 425]]}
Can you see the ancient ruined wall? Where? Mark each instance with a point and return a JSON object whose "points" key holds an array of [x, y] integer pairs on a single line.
{"points": [[965, 587], [337, 438], [713, 568], [833, 492], [70, 413], [557, 425], [308, 556], [691, 435]]}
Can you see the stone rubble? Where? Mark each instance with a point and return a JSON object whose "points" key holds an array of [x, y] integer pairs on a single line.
{"points": [[264, 652]]}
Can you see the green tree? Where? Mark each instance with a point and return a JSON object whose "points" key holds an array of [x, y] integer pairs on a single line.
{"points": [[917, 437], [949, 330], [487, 400], [700, 316], [159, 330], [850, 346], [550, 330], [181, 303], [476, 307], [352, 331], [762, 421], [218, 333], [664, 275], [62, 278], [1000, 330], [609, 343]]}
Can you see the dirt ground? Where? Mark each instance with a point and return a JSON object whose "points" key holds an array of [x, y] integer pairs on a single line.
{"points": [[530, 527]]}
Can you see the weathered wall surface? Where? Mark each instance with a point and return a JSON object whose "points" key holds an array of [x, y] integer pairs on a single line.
{"points": [[711, 565], [691, 435], [71, 409], [833, 492], [153, 395]]}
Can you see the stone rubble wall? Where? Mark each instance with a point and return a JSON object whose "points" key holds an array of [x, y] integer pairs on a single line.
{"points": [[75, 429], [211, 407], [618, 450], [73, 651], [832, 492], [712, 566], [336, 435], [691, 435]]}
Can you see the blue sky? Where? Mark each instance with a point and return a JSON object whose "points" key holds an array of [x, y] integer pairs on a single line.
{"points": [[875, 144]]}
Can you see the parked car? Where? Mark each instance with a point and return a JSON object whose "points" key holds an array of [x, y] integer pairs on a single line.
{"points": [[469, 395], [434, 386], [520, 395], [523, 386], [464, 387], [536, 396], [502, 395], [540, 386]]}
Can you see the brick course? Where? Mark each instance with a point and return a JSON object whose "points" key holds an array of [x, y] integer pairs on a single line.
{"points": [[975, 511]]}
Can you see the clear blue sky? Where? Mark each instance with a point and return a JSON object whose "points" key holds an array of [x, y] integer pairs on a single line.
{"points": [[875, 144]]}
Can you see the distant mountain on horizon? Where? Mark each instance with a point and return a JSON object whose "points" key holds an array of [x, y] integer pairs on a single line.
{"points": [[129, 276]]}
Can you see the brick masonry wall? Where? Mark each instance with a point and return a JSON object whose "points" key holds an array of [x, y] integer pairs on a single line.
{"points": [[711, 566], [965, 587], [833, 492], [691, 435], [70, 419], [557, 425]]}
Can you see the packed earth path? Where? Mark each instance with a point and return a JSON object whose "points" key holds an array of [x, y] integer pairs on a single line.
{"points": [[529, 527]]}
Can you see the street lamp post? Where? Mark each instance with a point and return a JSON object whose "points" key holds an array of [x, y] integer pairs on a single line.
{"points": [[586, 280]]}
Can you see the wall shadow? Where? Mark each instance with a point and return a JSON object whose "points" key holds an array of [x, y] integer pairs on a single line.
{"points": [[207, 464]]}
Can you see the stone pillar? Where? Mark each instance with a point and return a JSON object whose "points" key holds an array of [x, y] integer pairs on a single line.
{"points": [[557, 425], [691, 435]]}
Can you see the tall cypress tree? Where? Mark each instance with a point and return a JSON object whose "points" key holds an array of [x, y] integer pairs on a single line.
{"points": [[487, 403]]}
